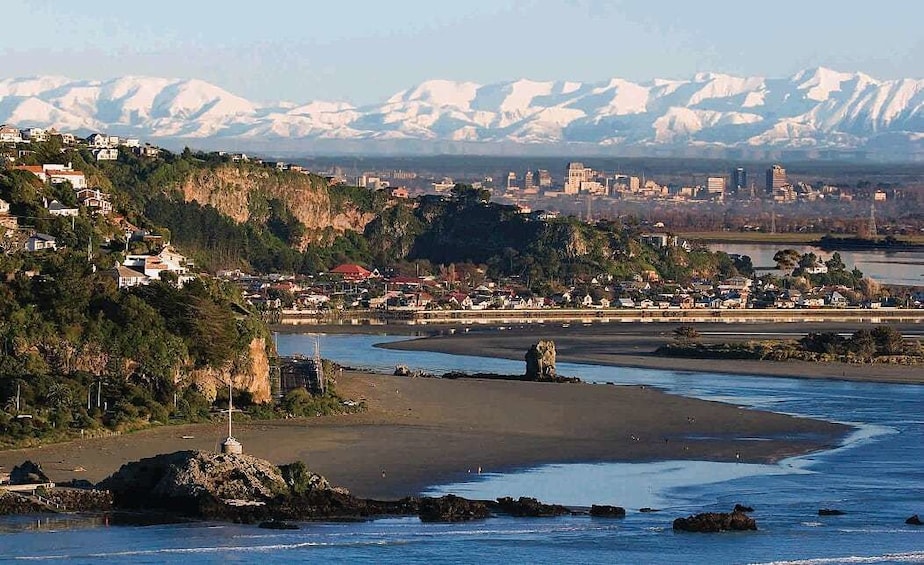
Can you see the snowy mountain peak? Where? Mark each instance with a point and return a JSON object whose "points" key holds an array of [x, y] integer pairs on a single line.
{"points": [[816, 107]]}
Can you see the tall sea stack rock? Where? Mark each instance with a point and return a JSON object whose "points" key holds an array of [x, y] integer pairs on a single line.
{"points": [[540, 361]]}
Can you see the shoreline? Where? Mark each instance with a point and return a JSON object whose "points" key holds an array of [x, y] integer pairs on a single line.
{"points": [[421, 433], [632, 345]]}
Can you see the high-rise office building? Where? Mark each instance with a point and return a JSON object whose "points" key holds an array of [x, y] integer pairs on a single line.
{"points": [[512, 181], [715, 185], [776, 178], [739, 180], [528, 181], [545, 179], [577, 173]]}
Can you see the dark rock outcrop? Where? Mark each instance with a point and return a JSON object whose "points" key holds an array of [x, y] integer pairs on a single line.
{"points": [[914, 521], [830, 512], [529, 507], [741, 508], [28, 473], [716, 522], [184, 480], [604, 511], [540, 361], [646, 510], [451, 508]]}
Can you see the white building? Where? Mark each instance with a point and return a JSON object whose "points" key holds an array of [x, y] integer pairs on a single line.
{"points": [[9, 134], [106, 154], [577, 174], [34, 134], [76, 178], [715, 186], [56, 208]]}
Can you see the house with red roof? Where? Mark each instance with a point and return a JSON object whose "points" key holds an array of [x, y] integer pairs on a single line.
{"points": [[352, 272]]}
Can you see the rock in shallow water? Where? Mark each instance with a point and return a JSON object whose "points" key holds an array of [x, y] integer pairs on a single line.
{"points": [[451, 508], [830, 512], [605, 511], [716, 522]]}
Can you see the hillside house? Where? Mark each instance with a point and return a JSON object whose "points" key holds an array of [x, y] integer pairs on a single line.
{"points": [[34, 134], [102, 141], [95, 200], [56, 208], [106, 154], [4, 207], [817, 268], [10, 134], [41, 242], [127, 278], [76, 178]]}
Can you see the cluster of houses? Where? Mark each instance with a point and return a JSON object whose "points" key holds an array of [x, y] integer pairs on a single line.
{"points": [[103, 147], [351, 286], [96, 201], [141, 269]]}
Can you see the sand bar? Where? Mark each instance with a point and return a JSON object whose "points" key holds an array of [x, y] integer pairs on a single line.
{"points": [[419, 432]]}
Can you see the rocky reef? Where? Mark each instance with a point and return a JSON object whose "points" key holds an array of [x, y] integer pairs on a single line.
{"points": [[716, 522]]}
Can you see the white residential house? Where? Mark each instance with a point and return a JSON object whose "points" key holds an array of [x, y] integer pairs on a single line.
{"points": [[127, 278], [811, 301], [106, 154], [153, 265], [9, 134], [147, 150], [34, 134], [131, 142], [818, 268], [174, 261], [41, 241], [837, 300], [56, 208], [625, 303], [95, 200], [102, 141], [68, 138], [76, 178], [4, 207]]}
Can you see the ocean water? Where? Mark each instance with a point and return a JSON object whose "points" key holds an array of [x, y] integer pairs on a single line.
{"points": [[876, 477]]}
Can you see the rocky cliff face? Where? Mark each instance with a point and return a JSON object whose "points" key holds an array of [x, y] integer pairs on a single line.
{"points": [[250, 374], [241, 192]]}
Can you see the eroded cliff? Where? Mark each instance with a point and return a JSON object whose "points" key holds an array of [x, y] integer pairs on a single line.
{"points": [[244, 193]]}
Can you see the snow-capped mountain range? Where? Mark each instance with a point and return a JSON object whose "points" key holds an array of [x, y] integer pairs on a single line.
{"points": [[814, 108]]}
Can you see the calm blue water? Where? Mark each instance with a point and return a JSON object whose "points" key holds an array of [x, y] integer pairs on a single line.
{"points": [[877, 477]]}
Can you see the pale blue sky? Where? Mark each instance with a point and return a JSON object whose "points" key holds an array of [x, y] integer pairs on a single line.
{"points": [[364, 51]]}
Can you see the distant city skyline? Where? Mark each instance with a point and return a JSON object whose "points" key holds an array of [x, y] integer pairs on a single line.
{"points": [[362, 52]]}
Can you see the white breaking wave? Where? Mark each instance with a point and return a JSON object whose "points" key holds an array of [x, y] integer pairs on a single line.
{"points": [[909, 557]]}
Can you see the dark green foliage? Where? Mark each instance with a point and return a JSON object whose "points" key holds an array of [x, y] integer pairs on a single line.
{"points": [[70, 338]]}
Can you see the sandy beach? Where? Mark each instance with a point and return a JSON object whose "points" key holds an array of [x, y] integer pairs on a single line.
{"points": [[419, 432], [633, 344]]}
